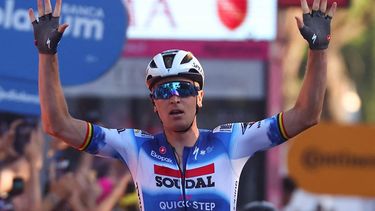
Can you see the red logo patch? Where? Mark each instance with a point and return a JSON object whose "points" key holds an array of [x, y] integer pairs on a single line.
{"points": [[329, 37], [232, 13], [162, 150]]}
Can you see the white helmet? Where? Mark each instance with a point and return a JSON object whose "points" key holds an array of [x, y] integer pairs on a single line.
{"points": [[172, 63]]}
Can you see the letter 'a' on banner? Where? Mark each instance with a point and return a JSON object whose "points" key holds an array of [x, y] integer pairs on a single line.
{"points": [[334, 159], [91, 45]]}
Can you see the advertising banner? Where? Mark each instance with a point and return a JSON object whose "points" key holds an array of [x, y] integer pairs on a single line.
{"points": [[334, 159], [91, 45], [202, 20], [19, 96]]}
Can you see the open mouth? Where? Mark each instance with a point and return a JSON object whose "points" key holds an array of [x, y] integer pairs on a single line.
{"points": [[176, 112]]}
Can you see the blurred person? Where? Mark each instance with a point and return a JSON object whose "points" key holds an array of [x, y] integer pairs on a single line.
{"points": [[13, 161], [74, 184], [79, 191], [25, 193], [288, 189], [8, 156], [182, 168], [258, 206], [7, 140], [109, 172], [296, 199]]}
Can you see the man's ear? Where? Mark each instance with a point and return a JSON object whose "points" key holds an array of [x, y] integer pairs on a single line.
{"points": [[200, 98]]}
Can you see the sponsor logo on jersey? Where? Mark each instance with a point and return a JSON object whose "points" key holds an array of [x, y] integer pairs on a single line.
{"points": [[159, 157], [224, 128], [194, 178], [162, 150], [142, 134], [192, 205], [209, 149], [120, 130], [245, 126], [201, 152], [195, 152]]}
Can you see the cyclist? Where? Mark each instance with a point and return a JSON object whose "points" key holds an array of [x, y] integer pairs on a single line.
{"points": [[183, 167]]}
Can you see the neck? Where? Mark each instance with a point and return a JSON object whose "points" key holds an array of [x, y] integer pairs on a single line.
{"points": [[179, 140]]}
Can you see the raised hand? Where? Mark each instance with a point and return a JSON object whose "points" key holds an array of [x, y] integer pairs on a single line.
{"points": [[47, 31], [316, 24], [6, 140], [34, 149]]}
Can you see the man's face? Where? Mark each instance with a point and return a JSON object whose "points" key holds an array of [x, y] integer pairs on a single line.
{"points": [[177, 113]]}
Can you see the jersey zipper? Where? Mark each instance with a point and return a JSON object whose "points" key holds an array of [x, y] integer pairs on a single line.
{"points": [[182, 172]]}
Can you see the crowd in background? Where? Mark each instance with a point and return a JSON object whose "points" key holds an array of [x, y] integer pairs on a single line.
{"points": [[39, 173]]}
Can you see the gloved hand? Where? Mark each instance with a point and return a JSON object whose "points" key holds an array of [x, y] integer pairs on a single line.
{"points": [[46, 34], [316, 29]]}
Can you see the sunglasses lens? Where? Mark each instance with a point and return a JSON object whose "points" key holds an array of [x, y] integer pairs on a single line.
{"points": [[178, 88]]}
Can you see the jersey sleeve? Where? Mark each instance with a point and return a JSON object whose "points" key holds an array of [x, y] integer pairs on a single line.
{"points": [[248, 138], [122, 144]]}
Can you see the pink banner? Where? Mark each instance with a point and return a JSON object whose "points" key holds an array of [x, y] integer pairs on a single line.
{"points": [[202, 49]]}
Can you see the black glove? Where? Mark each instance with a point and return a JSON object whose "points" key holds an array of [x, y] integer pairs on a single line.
{"points": [[46, 35], [316, 30]]}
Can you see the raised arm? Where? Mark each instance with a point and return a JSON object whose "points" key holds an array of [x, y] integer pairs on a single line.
{"points": [[315, 28], [56, 119], [34, 155], [7, 139]]}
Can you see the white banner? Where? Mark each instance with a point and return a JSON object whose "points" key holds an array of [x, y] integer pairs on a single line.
{"points": [[244, 79], [202, 19]]}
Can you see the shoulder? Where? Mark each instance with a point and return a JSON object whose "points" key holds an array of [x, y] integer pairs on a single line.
{"points": [[101, 132]]}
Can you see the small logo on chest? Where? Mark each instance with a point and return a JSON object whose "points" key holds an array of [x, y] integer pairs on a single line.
{"points": [[202, 152], [162, 150]]}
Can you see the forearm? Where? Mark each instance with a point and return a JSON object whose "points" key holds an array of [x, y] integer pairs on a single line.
{"points": [[109, 202], [34, 190], [50, 201], [56, 119], [311, 97], [76, 203], [7, 139], [309, 104], [7, 148], [53, 105]]}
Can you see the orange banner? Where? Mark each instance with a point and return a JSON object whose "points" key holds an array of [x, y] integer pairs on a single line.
{"points": [[334, 159]]}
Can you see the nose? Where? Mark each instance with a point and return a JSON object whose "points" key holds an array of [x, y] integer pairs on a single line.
{"points": [[175, 99]]}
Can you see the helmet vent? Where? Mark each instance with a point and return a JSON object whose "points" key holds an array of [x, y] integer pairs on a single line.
{"points": [[193, 71], [152, 64], [168, 61], [187, 58]]}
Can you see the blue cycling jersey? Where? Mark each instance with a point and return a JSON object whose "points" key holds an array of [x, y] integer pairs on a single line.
{"points": [[209, 176]]}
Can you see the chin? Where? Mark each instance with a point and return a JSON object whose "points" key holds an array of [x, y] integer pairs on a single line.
{"points": [[179, 127]]}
